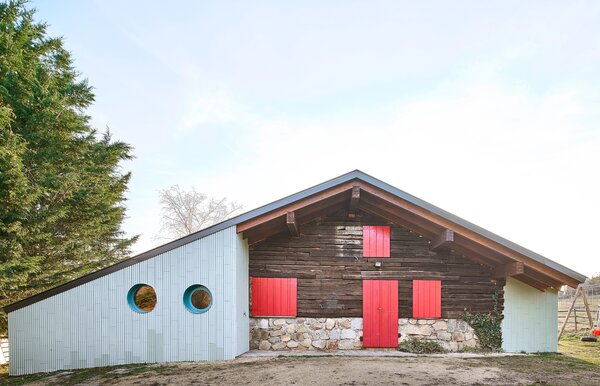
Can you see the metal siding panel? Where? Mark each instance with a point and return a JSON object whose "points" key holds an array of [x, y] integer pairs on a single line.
{"points": [[92, 324], [242, 303], [529, 322]]}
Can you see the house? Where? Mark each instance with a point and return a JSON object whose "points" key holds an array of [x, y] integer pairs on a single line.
{"points": [[351, 263]]}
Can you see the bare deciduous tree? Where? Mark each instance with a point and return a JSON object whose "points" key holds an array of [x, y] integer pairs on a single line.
{"points": [[185, 212]]}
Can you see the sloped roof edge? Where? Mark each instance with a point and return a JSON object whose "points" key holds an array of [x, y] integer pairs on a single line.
{"points": [[355, 174]]}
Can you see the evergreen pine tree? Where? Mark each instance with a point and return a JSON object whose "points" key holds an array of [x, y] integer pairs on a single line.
{"points": [[61, 186]]}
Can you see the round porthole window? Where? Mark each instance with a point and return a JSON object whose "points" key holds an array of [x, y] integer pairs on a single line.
{"points": [[141, 298], [197, 299]]}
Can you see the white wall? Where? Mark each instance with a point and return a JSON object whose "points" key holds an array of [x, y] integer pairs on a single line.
{"points": [[242, 299], [530, 318], [93, 325]]}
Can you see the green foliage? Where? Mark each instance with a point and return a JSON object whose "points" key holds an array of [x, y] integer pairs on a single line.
{"points": [[61, 188], [421, 346], [487, 326]]}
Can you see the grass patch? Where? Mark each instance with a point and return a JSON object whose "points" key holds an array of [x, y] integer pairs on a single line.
{"points": [[571, 346], [421, 346], [543, 363], [75, 377], [576, 363]]}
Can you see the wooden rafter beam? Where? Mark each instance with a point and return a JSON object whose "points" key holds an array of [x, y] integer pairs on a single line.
{"points": [[474, 256], [443, 241], [403, 222], [542, 287], [281, 212], [292, 224], [463, 242], [468, 233], [532, 273], [510, 269], [354, 199], [302, 216]]}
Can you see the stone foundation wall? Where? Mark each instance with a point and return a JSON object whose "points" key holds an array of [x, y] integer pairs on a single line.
{"points": [[451, 334], [346, 333]]}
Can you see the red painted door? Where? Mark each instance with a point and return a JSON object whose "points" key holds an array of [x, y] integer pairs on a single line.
{"points": [[380, 313]]}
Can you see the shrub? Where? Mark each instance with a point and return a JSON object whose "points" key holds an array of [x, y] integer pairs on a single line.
{"points": [[487, 326], [421, 346]]}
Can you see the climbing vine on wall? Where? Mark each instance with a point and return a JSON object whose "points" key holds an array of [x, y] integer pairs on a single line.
{"points": [[487, 326]]}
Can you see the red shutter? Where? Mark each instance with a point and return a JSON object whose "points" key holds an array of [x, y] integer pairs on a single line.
{"points": [[274, 296], [376, 241], [427, 298]]}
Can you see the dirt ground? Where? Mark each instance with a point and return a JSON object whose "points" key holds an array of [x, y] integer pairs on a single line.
{"points": [[423, 370]]}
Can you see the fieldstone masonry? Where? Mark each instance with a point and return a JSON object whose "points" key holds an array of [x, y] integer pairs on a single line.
{"points": [[346, 333], [451, 334]]}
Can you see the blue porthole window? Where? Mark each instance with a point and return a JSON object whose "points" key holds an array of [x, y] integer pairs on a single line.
{"points": [[197, 299], [141, 298]]}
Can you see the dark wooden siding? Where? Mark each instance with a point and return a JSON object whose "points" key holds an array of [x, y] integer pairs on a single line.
{"points": [[327, 260]]}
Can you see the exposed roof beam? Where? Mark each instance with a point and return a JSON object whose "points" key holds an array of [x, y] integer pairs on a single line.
{"points": [[354, 199], [403, 222], [469, 233], [510, 269], [292, 224], [321, 208], [252, 222], [279, 225], [540, 277], [532, 282], [475, 256], [464, 242], [443, 241]]}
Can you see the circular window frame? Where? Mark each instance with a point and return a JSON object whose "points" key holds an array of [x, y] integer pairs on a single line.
{"points": [[131, 298], [187, 299]]}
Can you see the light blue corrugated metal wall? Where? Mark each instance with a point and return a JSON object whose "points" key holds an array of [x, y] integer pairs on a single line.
{"points": [[92, 325], [530, 321], [242, 297]]}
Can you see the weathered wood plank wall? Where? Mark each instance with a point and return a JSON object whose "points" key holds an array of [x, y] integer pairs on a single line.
{"points": [[327, 260]]}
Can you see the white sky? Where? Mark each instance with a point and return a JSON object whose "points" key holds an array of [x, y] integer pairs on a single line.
{"points": [[488, 110]]}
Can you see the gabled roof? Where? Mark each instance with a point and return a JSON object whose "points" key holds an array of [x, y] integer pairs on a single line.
{"points": [[480, 244]]}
